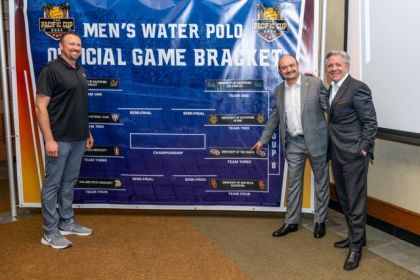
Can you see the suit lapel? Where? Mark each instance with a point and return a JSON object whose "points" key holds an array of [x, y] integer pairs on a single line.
{"points": [[304, 89], [282, 100], [340, 91]]}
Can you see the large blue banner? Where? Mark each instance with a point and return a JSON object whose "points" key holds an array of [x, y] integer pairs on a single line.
{"points": [[179, 92]]}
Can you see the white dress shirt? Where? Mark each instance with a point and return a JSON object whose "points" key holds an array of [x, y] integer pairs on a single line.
{"points": [[292, 108], [335, 87]]}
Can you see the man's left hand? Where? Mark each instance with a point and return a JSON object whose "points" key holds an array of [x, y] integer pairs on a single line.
{"points": [[89, 142]]}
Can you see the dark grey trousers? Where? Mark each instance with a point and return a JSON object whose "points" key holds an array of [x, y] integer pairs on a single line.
{"points": [[296, 155], [351, 184]]}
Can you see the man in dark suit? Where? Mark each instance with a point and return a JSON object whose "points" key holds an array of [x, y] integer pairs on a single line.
{"points": [[352, 128], [299, 115]]}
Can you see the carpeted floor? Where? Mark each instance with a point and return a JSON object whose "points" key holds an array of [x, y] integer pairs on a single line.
{"points": [[247, 241], [133, 244], [124, 246]]}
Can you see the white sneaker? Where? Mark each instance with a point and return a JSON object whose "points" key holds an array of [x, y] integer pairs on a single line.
{"points": [[55, 240], [74, 229]]}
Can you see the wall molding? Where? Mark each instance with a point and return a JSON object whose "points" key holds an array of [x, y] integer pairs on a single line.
{"points": [[389, 213]]}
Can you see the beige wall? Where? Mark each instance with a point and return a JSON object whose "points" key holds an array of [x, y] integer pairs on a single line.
{"points": [[394, 176], [335, 26]]}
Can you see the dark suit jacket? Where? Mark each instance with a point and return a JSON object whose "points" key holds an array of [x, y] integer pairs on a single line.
{"points": [[313, 103], [352, 121]]}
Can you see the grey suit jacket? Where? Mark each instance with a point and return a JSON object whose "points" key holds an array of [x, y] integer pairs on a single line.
{"points": [[314, 125], [352, 121]]}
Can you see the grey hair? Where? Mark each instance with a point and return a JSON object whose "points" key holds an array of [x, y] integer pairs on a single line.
{"points": [[343, 54]]}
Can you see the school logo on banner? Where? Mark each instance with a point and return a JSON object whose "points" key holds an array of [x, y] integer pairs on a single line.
{"points": [[270, 24], [56, 21]]}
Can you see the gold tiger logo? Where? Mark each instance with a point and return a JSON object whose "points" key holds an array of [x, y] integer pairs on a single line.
{"points": [[270, 13], [56, 12]]}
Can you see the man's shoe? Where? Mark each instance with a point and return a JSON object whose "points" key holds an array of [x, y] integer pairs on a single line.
{"points": [[74, 229], [345, 244], [352, 260], [319, 230], [55, 240], [342, 244], [285, 229]]}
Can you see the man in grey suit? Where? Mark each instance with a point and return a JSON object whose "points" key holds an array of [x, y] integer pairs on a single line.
{"points": [[299, 115], [352, 129]]}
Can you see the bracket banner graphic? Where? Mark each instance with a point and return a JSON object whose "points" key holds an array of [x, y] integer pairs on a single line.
{"points": [[179, 91]]}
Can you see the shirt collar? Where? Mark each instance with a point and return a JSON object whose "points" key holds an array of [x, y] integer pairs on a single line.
{"points": [[338, 85], [67, 64], [295, 84]]}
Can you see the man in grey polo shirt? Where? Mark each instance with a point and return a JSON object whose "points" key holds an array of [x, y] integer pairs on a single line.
{"points": [[62, 113]]}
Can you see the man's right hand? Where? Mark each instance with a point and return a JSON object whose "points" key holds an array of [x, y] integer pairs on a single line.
{"points": [[51, 148], [258, 147]]}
